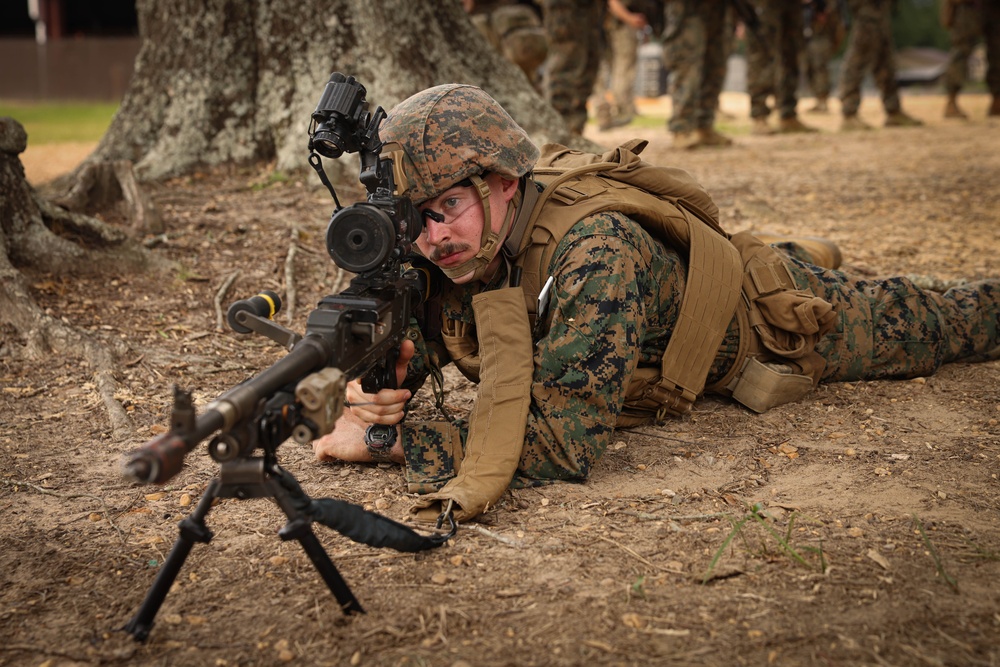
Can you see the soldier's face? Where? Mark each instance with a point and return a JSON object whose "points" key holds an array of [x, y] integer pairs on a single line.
{"points": [[458, 237]]}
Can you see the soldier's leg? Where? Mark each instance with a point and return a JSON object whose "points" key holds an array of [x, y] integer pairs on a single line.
{"points": [[623, 44], [818, 52], [715, 59], [964, 32], [891, 328], [884, 65], [857, 57], [789, 44], [762, 55], [683, 55], [991, 35], [574, 31]]}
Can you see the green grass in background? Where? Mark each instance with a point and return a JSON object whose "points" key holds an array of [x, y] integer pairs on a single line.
{"points": [[56, 122]]}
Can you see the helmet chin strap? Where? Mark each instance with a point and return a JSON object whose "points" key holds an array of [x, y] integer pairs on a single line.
{"points": [[491, 242]]}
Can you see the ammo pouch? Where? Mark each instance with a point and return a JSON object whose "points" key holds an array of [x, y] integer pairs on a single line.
{"points": [[779, 328], [500, 415]]}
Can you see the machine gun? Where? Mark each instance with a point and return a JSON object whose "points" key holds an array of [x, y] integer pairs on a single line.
{"points": [[353, 334]]}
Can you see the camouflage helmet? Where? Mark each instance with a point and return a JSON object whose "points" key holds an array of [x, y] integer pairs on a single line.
{"points": [[451, 132]]}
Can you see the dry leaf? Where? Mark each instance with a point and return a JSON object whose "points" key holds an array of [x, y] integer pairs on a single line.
{"points": [[878, 558]]}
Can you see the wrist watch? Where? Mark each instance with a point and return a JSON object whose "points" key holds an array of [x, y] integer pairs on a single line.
{"points": [[379, 439]]}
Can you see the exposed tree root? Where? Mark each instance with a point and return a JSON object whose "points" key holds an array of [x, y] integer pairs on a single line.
{"points": [[37, 233]]}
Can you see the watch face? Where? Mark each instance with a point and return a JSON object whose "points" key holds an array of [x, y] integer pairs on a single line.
{"points": [[380, 436]]}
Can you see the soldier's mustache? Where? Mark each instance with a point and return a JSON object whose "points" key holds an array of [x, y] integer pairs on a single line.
{"points": [[448, 249]]}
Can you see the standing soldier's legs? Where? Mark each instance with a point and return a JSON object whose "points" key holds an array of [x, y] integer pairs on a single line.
{"points": [[574, 31], [964, 32], [683, 55], [819, 52], [716, 57], [860, 49], [762, 61], [884, 66], [623, 44], [991, 35], [789, 46]]}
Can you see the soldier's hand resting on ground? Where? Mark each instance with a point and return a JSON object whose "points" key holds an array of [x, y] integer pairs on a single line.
{"points": [[346, 442]]}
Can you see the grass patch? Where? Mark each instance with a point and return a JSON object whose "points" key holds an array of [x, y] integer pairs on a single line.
{"points": [[58, 122], [755, 518]]}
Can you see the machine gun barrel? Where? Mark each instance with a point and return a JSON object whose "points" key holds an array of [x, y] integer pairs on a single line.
{"points": [[163, 457], [357, 331]]}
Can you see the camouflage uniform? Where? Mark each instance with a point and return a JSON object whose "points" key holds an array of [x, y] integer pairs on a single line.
{"points": [[869, 45], [514, 29], [773, 57], [695, 55], [615, 90], [574, 31], [616, 301], [822, 39], [973, 20]]}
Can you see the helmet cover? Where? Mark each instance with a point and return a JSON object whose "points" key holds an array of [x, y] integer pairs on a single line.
{"points": [[451, 132]]}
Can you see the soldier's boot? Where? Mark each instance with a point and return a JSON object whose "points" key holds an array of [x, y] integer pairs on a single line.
{"points": [[686, 140], [602, 113], [900, 119], [709, 137], [852, 123], [760, 128], [995, 107], [951, 109], [821, 106], [823, 252], [793, 125]]}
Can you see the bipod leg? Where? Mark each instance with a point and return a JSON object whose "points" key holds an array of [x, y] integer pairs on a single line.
{"points": [[192, 529], [299, 527]]}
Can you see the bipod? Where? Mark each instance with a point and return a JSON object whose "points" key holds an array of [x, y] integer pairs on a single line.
{"points": [[242, 478]]}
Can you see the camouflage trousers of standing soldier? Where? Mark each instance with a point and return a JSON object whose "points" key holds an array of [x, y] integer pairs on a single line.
{"points": [[695, 54], [817, 54], [869, 46], [773, 58], [971, 24], [887, 329], [574, 31]]}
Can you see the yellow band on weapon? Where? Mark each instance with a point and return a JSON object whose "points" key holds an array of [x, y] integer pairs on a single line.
{"points": [[270, 302]]}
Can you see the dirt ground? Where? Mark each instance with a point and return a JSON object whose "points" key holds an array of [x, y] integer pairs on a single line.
{"points": [[860, 526]]}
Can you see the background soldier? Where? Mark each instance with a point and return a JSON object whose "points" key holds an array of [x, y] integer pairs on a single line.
{"points": [[870, 45], [968, 21], [823, 30], [615, 91], [515, 30], [573, 28], [773, 65], [695, 45]]}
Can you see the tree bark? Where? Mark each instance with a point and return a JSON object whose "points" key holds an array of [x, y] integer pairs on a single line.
{"points": [[231, 81], [36, 233]]}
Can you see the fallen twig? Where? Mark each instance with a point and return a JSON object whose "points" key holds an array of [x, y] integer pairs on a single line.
{"points": [[476, 528], [290, 276], [220, 295]]}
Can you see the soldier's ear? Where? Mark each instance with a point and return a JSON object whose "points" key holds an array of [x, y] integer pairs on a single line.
{"points": [[508, 187]]}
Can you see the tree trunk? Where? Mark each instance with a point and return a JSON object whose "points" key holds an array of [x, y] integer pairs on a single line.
{"points": [[228, 81], [36, 233]]}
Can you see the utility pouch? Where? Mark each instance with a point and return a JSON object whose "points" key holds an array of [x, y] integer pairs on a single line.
{"points": [[761, 386], [500, 416]]}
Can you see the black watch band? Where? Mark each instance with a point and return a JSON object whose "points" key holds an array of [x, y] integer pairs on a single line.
{"points": [[379, 439]]}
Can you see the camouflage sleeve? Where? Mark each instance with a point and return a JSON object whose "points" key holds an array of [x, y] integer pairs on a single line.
{"points": [[605, 279], [591, 348]]}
